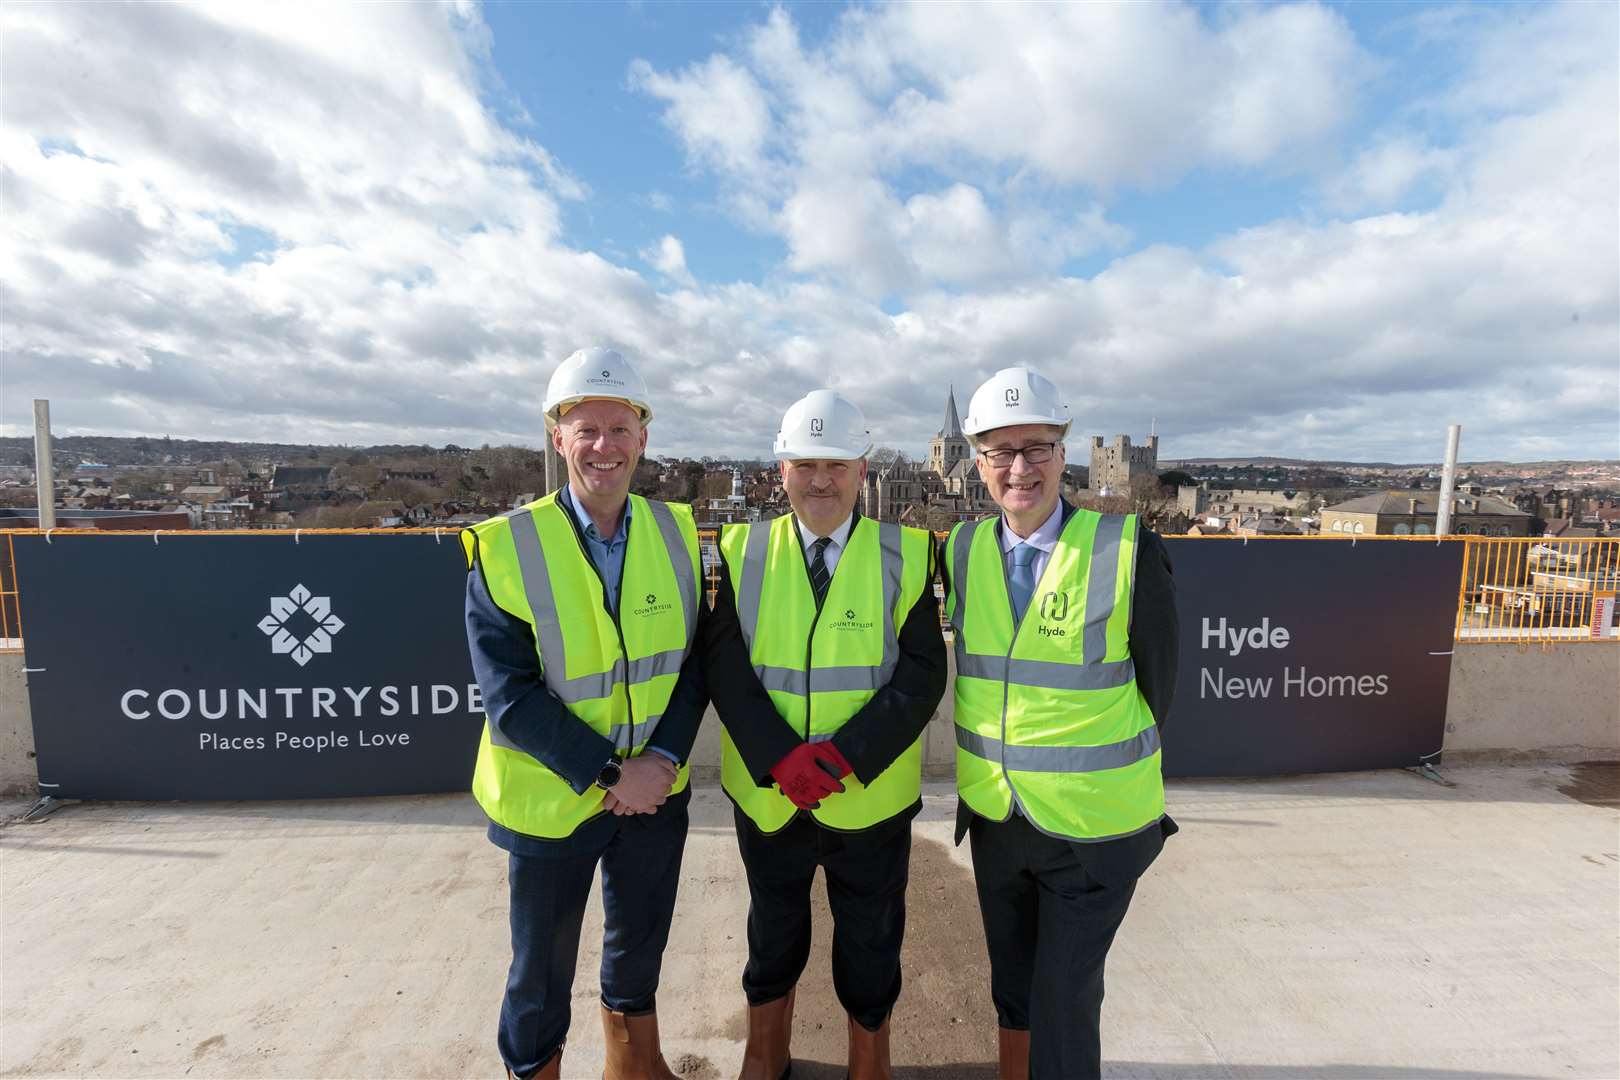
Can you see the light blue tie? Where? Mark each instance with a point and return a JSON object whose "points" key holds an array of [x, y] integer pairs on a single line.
{"points": [[1022, 579]]}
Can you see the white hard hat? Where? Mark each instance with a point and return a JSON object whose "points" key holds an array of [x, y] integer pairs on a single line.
{"points": [[595, 373], [1015, 395], [823, 424]]}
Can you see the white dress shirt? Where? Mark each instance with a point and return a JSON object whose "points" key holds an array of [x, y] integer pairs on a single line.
{"points": [[1043, 539], [839, 537]]}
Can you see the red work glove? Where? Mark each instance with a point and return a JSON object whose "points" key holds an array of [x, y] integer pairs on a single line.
{"points": [[835, 764], [803, 778]]}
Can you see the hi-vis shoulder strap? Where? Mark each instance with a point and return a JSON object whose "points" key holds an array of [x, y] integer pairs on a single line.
{"points": [[1094, 672], [531, 557]]}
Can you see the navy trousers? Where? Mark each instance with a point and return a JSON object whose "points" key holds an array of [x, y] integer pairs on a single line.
{"points": [[866, 890], [1049, 921], [640, 857]]}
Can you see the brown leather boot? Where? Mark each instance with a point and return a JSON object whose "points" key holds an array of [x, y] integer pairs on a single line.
{"points": [[770, 1033], [1014, 1054], [551, 1070], [631, 1046], [869, 1052]]}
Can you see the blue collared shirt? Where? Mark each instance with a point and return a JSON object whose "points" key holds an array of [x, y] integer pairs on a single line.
{"points": [[608, 554]]}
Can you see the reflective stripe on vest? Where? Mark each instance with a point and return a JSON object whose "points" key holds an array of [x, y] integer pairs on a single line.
{"points": [[882, 565], [625, 702], [1048, 716]]}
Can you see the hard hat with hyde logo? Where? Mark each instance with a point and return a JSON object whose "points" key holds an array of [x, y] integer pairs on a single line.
{"points": [[823, 424], [595, 373], [1015, 395]]}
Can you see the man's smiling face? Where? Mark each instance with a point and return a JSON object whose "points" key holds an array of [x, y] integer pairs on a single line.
{"points": [[1026, 492], [601, 441]]}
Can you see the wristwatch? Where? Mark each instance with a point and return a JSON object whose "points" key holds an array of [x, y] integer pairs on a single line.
{"points": [[610, 774]]}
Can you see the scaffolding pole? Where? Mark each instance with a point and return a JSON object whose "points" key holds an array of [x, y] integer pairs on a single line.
{"points": [[44, 476], [1448, 481]]}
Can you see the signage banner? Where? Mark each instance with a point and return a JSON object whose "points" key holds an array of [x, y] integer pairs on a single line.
{"points": [[257, 667], [248, 667], [1310, 655]]}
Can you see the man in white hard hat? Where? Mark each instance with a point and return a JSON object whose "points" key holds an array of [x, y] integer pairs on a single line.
{"points": [[582, 611], [825, 661], [1066, 654]]}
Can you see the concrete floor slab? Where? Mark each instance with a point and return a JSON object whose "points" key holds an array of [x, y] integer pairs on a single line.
{"points": [[1362, 925]]}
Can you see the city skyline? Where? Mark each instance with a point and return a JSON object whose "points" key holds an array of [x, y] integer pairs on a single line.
{"points": [[1298, 230]]}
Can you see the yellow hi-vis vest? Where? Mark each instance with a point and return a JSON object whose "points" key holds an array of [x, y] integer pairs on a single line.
{"points": [[1048, 715], [820, 667], [614, 673]]}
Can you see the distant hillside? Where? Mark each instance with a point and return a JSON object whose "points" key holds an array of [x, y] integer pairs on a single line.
{"points": [[69, 450]]}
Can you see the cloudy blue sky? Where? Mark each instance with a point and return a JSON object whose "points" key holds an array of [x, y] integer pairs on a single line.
{"points": [[1301, 229]]}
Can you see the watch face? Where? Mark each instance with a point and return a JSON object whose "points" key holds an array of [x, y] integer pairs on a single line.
{"points": [[609, 775]]}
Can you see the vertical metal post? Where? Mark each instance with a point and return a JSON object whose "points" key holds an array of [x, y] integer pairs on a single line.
{"points": [[44, 476], [1448, 480], [553, 466]]}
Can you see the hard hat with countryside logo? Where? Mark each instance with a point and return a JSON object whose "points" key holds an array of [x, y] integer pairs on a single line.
{"points": [[1015, 395], [595, 373], [823, 424]]}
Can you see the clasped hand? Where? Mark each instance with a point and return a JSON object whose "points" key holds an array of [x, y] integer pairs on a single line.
{"points": [[644, 784], [810, 772]]}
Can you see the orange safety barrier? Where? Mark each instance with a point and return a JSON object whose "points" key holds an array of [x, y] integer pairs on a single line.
{"points": [[1539, 591], [10, 612]]}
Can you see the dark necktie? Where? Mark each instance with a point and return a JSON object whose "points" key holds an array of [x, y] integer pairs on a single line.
{"points": [[819, 574]]}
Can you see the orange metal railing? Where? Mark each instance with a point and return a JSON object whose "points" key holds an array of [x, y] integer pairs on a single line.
{"points": [[1525, 590], [10, 612]]}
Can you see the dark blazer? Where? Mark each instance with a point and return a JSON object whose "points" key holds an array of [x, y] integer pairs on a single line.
{"points": [[1156, 652], [870, 740]]}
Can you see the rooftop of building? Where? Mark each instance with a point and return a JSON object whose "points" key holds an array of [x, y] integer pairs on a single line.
{"points": [[1354, 925], [1428, 502]]}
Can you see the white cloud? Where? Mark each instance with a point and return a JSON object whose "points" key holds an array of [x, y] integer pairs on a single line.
{"points": [[668, 257], [1021, 96], [717, 106], [416, 285]]}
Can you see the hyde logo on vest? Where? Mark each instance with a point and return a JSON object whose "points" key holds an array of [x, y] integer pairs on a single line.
{"points": [[851, 620], [1054, 609], [651, 606]]}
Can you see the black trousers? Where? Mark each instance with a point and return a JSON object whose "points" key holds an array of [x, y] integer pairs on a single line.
{"points": [[866, 890], [1049, 924], [640, 856]]}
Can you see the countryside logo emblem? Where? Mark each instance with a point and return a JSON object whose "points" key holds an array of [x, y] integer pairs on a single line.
{"points": [[652, 606], [850, 621], [300, 625]]}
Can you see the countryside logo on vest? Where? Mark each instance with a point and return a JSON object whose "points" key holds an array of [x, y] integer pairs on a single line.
{"points": [[850, 621], [651, 606], [1054, 609]]}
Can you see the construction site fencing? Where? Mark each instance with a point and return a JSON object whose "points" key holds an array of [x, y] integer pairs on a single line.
{"points": [[1515, 590]]}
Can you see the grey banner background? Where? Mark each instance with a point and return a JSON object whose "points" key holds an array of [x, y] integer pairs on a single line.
{"points": [[105, 614], [1377, 608]]}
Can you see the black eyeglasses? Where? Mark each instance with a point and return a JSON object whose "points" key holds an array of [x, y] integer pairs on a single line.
{"points": [[1035, 454]]}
